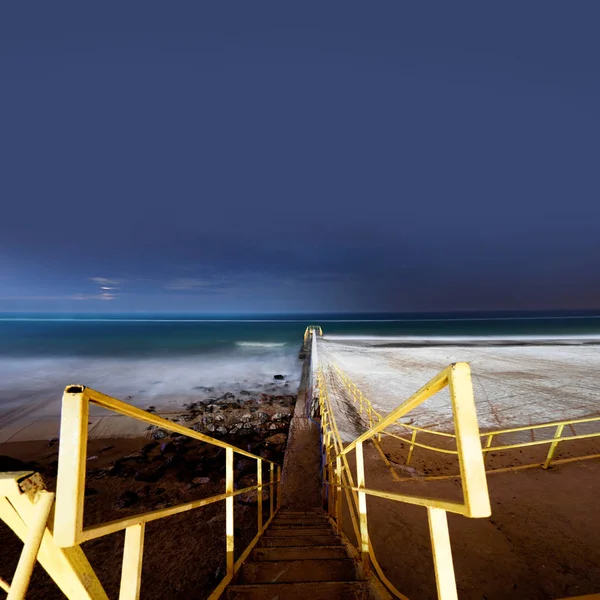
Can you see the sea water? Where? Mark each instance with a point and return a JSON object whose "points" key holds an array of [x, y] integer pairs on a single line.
{"points": [[153, 359]]}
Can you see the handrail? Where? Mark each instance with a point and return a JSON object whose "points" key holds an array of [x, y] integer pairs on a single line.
{"points": [[309, 331], [338, 476], [68, 520], [489, 436]]}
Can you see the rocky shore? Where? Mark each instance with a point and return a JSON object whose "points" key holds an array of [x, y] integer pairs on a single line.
{"points": [[127, 476]]}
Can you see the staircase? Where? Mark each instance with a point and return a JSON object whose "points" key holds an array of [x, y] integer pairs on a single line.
{"points": [[300, 556]]}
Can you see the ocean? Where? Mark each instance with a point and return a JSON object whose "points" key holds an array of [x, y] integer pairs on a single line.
{"points": [[158, 359]]}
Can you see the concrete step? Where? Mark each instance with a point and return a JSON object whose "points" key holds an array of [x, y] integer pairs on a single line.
{"points": [[296, 513], [279, 525], [300, 540], [299, 553], [323, 590], [297, 531], [292, 571]]}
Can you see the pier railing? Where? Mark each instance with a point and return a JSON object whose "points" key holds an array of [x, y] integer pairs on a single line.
{"points": [[550, 434], [25, 508], [340, 480]]}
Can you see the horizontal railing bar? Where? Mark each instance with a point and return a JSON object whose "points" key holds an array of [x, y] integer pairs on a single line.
{"points": [[538, 442], [97, 531], [453, 507], [540, 426], [420, 445], [428, 390], [123, 408]]}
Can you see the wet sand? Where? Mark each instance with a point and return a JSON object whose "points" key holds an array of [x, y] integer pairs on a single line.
{"points": [[513, 385]]}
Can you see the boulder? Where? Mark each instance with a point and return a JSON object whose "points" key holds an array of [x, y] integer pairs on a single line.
{"points": [[159, 434], [127, 499], [279, 377], [150, 474]]}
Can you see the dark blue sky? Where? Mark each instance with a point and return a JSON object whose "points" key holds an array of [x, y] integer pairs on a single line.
{"points": [[324, 156]]}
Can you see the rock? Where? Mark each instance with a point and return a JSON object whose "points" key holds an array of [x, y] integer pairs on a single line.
{"points": [[222, 430], [127, 499], [148, 447], [92, 458], [252, 497], [167, 447], [150, 474], [248, 425], [273, 426], [200, 480], [151, 409], [210, 428], [279, 439], [219, 418], [159, 434], [235, 429], [279, 377], [245, 393], [278, 417], [245, 465], [246, 418]]}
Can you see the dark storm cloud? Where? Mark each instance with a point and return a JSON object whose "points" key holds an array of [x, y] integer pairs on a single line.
{"points": [[350, 157]]}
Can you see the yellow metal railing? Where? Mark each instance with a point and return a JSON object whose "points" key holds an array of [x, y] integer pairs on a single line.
{"points": [[366, 407], [338, 476], [309, 331], [59, 550]]}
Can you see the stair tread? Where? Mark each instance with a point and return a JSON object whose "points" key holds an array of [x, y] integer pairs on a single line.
{"points": [[298, 553], [299, 531], [322, 590], [285, 571], [303, 540]]}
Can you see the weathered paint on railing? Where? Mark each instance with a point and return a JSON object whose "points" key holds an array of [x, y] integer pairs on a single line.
{"points": [[489, 436], [338, 476], [60, 553]]}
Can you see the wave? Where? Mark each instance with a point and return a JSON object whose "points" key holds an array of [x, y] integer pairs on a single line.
{"points": [[261, 344]]}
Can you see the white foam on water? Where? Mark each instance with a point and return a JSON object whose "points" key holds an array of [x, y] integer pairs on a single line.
{"points": [[260, 344], [162, 381]]}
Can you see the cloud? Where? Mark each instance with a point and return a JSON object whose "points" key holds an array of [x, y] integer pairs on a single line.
{"points": [[189, 284], [104, 281]]}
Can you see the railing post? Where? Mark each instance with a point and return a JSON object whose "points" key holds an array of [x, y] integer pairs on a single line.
{"points": [[338, 497], [442, 554], [412, 447], [260, 494], [29, 554], [229, 510], [271, 490], [362, 505], [554, 445], [488, 444], [70, 485], [131, 571], [278, 486]]}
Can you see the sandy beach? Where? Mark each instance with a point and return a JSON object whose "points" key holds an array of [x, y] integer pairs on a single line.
{"points": [[513, 385]]}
